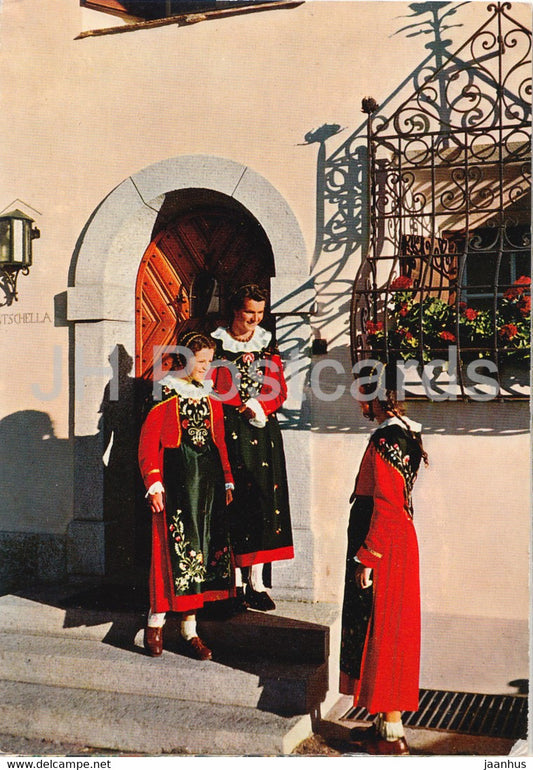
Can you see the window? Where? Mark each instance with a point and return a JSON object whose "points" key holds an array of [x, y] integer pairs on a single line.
{"points": [[447, 273]]}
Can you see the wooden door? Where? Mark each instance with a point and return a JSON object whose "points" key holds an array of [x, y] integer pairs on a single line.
{"points": [[207, 251]]}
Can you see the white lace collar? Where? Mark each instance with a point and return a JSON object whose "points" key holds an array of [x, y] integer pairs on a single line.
{"points": [[416, 427], [260, 339], [185, 388]]}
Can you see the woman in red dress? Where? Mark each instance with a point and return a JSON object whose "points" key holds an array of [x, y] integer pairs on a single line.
{"points": [[380, 643], [185, 468]]}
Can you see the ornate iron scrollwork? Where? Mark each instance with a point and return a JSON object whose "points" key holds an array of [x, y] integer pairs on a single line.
{"points": [[449, 183]]}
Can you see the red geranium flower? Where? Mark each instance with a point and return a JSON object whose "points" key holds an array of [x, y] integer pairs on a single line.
{"points": [[448, 336], [373, 328], [518, 288], [402, 282], [525, 305], [404, 309], [471, 314], [508, 331], [405, 333]]}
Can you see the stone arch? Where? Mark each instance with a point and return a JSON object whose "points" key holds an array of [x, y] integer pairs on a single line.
{"points": [[105, 263]]}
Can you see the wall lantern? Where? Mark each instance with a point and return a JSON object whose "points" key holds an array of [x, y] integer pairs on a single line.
{"points": [[16, 236]]}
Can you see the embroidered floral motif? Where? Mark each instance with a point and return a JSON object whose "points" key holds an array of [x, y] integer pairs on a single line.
{"points": [[191, 562], [251, 375], [219, 564], [195, 419], [394, 455]]}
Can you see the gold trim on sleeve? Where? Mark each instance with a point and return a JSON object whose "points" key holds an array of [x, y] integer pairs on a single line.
{"points": [[375, 553]]}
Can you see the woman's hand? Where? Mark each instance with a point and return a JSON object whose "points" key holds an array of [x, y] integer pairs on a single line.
{"points": [[363, 576], [229, 496], [246, 412], [156, 502]]}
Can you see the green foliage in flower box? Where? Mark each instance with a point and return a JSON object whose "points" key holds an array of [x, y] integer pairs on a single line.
{"points": [[440, 325]]}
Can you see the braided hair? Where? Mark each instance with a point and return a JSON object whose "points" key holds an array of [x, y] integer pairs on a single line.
{"points": [[397, 408], [391, 404], [194, 341]]}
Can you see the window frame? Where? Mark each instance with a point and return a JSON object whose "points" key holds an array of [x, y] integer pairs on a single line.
{"points": [[134, 22]]}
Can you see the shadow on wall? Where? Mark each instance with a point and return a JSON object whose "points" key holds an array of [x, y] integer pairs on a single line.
{"points": [[110, 532], [127, 542], [328, 406], [36, 484], [342, 216]]}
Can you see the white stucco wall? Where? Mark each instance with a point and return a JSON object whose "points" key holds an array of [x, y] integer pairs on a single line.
{"points": [[81, 116]]}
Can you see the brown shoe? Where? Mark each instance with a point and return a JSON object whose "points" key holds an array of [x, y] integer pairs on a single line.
{"points": [[153, 640], [378, 745], [197, 648]]}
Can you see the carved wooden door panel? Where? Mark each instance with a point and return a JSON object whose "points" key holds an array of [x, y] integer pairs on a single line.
{"points": [[188, 272]]}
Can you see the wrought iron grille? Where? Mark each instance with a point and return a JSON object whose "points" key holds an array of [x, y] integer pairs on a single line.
{"points": [[447, 273], [494, 716]]}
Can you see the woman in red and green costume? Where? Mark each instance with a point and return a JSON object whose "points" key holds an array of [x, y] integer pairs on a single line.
{"points": [[185, 467], [250, 380], [380, 643]]}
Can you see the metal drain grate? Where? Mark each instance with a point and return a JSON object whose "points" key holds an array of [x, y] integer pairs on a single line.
{"points": [[493, 716]]}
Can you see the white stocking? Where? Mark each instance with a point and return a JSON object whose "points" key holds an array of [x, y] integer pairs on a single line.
{"points": [[188, 627], [238, 577], [391, 731], [256, 578], [156, 619]]}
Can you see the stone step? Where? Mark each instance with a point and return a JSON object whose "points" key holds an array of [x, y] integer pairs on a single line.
{"points": [[282, 688], [267, 635], [48, 618], [144, 724], [74, 670], [295, 632]]}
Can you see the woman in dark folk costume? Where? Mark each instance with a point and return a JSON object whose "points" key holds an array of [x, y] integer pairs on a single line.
{"points": [[253, 388], [380, 643], [185, 468]]}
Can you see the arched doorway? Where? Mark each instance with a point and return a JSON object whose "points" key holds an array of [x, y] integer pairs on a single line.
{"points": [[101, 307], [193, 263], [203, 247]]}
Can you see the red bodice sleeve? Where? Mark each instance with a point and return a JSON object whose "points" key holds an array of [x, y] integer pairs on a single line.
{"points": [[273, 391], [150, 444], [389, 508], [217, 431]]}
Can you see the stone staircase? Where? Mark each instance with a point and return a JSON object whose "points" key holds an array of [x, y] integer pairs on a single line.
{"points": [[75, 671]]}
